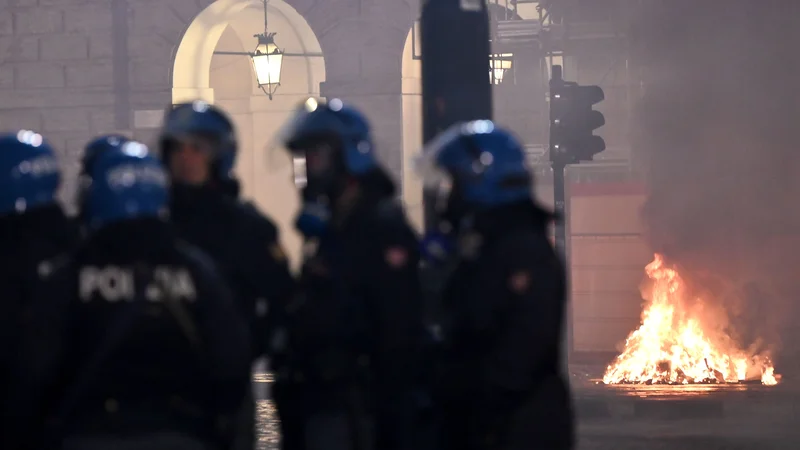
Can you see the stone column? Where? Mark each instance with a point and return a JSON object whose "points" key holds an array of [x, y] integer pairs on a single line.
{"points": [[363, 56], [155, 30]]}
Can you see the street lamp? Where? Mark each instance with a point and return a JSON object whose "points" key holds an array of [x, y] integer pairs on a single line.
{"points": [[499, 64], [267, 61]]}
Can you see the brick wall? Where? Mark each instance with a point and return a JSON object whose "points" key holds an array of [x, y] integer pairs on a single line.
{"points": [[57, 67]]}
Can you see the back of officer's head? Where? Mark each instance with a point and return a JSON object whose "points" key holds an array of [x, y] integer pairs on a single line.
{"points": [[198, 144], [125, 182], [97, 146], [481, 164], [29, 173]]}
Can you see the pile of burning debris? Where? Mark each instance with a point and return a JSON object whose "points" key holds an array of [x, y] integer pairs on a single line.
{"points": [[673, 345], [666, 375]]}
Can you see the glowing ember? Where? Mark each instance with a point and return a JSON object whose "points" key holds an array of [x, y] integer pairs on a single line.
{"points": [[682, 341]]}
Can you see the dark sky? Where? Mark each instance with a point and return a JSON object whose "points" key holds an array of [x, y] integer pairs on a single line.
{"points": [[719, 131]]}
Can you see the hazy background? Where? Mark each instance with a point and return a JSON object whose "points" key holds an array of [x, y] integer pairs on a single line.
{"points": [[718, 132]]}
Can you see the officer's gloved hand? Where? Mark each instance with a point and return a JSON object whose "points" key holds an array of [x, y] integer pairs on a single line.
{"points": [[313, 219]]}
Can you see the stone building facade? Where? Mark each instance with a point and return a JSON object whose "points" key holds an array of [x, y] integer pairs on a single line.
{"points": [[76, 68], [73, 69]]}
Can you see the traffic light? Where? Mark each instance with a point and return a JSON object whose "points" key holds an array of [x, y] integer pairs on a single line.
{"points": [[455, 60], [573, 121]]}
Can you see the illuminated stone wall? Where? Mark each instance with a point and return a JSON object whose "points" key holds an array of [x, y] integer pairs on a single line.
{"points": [[60, 72]]}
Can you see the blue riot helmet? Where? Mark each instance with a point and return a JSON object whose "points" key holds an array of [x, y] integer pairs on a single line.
{"points": [[29, 172], [99, 145], [474, 167], [93, 150], [127, 182], [330, 144], [328, 139], [200, 127]]}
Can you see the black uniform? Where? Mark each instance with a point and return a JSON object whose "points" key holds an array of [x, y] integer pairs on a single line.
{"points": [[27, 240], [135, 334], [357, 329], [502, 386], [245, 246]]}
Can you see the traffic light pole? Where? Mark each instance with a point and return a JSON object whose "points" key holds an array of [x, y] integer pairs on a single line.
{"points": [[559, 159], [560, 231], [572, 140]]}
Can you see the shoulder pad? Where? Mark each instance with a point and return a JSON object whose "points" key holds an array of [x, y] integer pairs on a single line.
{"points": [[389, 216], [249, 207], [252, 212], [255, 218]]}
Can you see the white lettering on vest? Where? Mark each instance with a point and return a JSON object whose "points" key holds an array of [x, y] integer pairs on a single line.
{"points": [[111, 283], [177, 283]]}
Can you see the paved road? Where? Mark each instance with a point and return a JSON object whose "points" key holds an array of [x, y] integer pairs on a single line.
{"points": [[267, 426], [696, 443], [738, 433], [723, 434], [615, 434], [751, 418]]}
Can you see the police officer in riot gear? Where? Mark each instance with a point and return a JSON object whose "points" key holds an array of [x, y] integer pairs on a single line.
{"points": [[198, 145], [356, 330], [501, 386], [137, 342], [33, 229]]}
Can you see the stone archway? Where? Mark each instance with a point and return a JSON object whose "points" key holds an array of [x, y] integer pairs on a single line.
{"points": [[412, 112], [229, 81]]}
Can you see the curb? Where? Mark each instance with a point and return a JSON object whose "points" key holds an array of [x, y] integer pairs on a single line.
{"points": [[715, 406]]}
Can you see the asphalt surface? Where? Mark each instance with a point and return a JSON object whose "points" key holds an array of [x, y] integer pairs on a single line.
{"points": [[718, 434], [737, 417]]}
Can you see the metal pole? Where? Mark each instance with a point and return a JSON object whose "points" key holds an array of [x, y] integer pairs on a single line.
{"points": [[560, 201], [559, 197], [266, 19]]}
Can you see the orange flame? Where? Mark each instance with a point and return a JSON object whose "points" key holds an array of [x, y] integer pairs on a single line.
{"points": [[675, 345]]}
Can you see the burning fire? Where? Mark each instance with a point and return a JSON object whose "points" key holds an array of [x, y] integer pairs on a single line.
{"points": [[677, 343]]}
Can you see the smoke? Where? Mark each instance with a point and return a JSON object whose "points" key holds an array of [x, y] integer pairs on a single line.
{"points": [[719, 132]]}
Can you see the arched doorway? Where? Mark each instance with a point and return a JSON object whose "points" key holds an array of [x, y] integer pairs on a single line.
{"points": [[412, 107], [228, 80]]}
